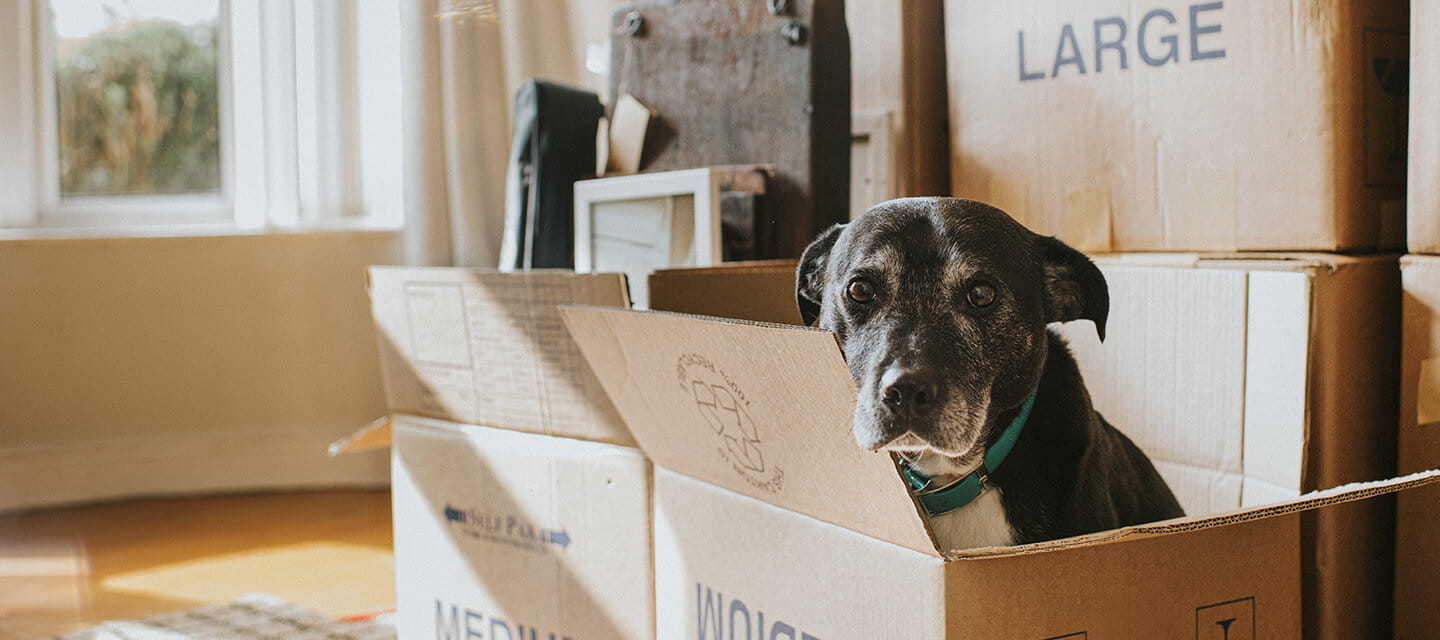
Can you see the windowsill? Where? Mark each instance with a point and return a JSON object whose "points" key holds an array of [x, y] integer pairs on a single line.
{"points": [[184, 231]]}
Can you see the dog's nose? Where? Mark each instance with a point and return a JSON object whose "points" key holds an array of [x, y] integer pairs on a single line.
{"points": [[910, 393]]}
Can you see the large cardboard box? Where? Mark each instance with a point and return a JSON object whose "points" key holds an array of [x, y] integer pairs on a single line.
{"points": [[1417, 535], [770, 519], [537, 524], [1252, 379], [502, 534], [1191, 125], [1423, 207], [1248, 379]]}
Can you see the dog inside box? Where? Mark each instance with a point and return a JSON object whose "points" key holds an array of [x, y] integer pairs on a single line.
{"points": [[1237, 386]]}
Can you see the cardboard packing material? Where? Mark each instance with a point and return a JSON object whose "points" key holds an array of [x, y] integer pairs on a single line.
{"points": [[1195, 125], [488, 348], [767, 517], [499, 533], [1417, 535], [1423, 189]]}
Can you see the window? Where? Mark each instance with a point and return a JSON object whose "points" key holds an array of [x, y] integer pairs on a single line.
{"points": [[249, 113]]}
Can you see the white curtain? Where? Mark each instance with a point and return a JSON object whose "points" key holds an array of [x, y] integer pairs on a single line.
{"points": [[463, 60]]}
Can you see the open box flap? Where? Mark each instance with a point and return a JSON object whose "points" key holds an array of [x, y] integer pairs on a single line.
{"points": [[375, 435], [1312, 500], [484, 347], [763, 291], [762, 410]]}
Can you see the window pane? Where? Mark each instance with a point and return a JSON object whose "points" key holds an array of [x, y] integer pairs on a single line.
{"points": [[137, 91]]}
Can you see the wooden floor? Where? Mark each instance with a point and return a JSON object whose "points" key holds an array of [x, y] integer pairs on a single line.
{"points": [[65, 569]]}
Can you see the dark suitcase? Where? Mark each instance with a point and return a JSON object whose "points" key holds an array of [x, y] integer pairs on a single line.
{"points": [[554, 145]]}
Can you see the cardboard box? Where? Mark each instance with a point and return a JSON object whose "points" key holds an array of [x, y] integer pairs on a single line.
{"points": [[1285, 391], [1417, 535], [488, 348], [1423, 207], [768, 516], [501, 534], [1249, 380], [1191, 125]]}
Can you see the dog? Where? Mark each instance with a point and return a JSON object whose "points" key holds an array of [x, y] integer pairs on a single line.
{"points": [[941, 307]]}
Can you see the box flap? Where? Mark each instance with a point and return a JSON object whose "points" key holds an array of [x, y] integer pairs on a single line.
{"points": [[376, 435], [1312, 500], [489, 348], [763, 291], [762, 410]]}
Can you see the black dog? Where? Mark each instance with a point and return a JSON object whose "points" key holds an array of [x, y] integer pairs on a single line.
{"points": [[941, 307]]}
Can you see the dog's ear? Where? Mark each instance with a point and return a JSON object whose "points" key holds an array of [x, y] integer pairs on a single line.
{"points": [[1074, 287], [810, 277]]}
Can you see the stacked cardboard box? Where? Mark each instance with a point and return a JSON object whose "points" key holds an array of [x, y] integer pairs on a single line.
{"points": [[537, 524], [770, 522], [1196, 125], [1417, 561], [1218, 127]]}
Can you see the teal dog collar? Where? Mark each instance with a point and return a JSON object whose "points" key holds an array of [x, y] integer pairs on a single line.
{"points": [[953, 495]]}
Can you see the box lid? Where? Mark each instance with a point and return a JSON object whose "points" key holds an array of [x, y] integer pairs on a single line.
{"points": [[763, 410]]}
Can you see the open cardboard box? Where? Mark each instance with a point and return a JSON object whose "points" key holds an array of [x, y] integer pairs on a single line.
{"points": [[767, 517], [520, 511]]}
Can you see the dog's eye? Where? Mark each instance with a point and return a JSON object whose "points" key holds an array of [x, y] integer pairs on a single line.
{"points": [[980, 295], [860, 290]]}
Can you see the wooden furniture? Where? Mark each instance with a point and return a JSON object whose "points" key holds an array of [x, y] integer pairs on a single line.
{"points": [[747, 82]]}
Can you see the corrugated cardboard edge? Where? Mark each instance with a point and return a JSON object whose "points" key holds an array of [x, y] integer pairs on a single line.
{"points": [[1248, 260], [1310, 501], [376, 435]]}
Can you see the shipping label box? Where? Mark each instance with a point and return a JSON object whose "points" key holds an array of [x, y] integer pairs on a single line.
{"points": [[1422, 211], [535, 521], [1193, 125], [1280, 395], [1417, 535], [502, 534]]}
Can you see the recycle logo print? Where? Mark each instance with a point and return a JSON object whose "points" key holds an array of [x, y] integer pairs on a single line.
{"points": [[731, 422], [726, 411]]}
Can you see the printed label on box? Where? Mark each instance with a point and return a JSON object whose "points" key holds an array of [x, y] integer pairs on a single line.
{"points": [[1233, 620]]}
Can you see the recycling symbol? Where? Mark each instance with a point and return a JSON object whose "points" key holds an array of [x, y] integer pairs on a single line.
{"points": [[729, 420]]}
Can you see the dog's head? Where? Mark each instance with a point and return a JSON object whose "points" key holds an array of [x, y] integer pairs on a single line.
{"points": [[940, 306]]}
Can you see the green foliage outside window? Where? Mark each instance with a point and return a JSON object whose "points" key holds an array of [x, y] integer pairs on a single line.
{"points": [[139, 110]]}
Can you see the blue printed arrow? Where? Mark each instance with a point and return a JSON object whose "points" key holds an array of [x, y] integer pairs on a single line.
{"points": [[561, 538]]}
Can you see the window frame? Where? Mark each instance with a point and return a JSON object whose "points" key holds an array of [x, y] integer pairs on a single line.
{"points": [[322, 145], [127, 209]]}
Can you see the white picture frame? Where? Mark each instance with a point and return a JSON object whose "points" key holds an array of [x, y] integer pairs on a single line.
{"points": [[638, 223]]}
